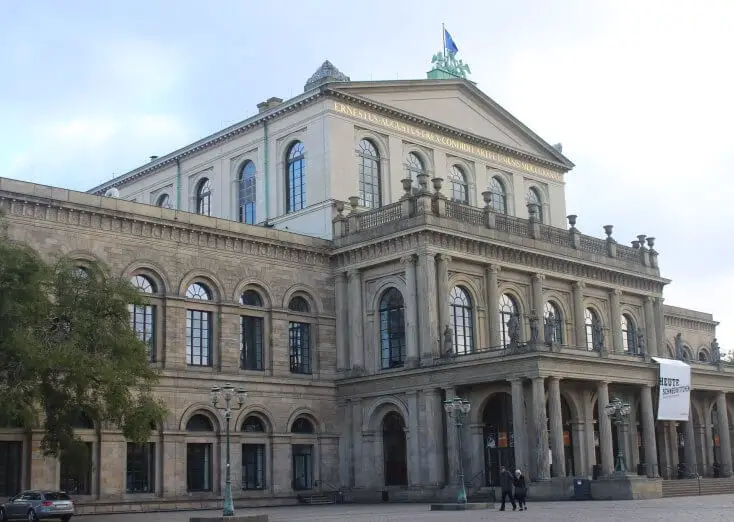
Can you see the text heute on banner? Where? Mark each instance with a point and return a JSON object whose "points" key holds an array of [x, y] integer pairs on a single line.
{"points": [[674, 401]]}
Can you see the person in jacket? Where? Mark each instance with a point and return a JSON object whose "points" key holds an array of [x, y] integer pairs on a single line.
{"points": [[506, 483], [521, 490]]}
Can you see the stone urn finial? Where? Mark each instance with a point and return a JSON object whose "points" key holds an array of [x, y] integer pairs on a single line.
{"points": [[651, 242], [608, 230], [423, 181], [339, 208], [437, 184], [354, 202], [533, 211], [635, 244], [641, 239], [572, 220], [407, 185], [487, 197]]}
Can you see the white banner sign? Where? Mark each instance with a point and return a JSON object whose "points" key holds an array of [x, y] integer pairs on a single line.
{"points": [[675, 390]]}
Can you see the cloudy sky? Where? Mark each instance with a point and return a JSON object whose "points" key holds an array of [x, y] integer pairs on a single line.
{"points": [[640, 93]]}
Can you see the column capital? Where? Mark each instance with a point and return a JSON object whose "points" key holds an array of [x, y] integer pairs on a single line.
{"points": [[539, 277], [579, 285], [512, 380], [353, 273], [445, 258], [554, 378], [494, 268], [341, 275], [616, 292], [408, 258], [650, 299]]}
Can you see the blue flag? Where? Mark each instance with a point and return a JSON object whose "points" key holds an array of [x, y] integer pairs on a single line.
{"points": [[450, 44]]}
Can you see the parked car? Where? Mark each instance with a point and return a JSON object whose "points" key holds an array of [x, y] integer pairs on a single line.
{"points": [[38, 505]]}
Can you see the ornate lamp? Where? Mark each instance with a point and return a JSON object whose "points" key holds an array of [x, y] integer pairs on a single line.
{"points": [[458, 409], [227, 392], [618, 411]]}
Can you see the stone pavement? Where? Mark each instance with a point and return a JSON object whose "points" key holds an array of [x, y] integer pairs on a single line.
{"points": [[715, 508]]}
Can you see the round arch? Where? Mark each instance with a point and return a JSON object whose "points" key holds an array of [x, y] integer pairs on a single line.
{"points": [[258, 286], [632, 313], [476, 413], [516, 292], [594, 307], [540, 190], [149, 269], [471, 288], [215, 285], [375, 139], [383, 286], [502, 177], [426, 158], [710, 407], [671, 351], [84, 257], [306, 413], [696, 412], [203, 409], [574, 405], [705, 351], [468, 168], [372, 420], [259, 411], [238, 165], [308, 293], [557, 299]]}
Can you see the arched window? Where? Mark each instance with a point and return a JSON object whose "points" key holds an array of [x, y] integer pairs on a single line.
{"points": [[254, 460], [204, 197], [302, 425], [299, 304], [498, 196], [253, 424], [414, 166], [142, 316], [299, 337], [629, 339], [508, 308], [295, 197], [462, 321], [164, 201], [534, 197], [592, 325], [703, 356], [459, 185], [369, 175], [554, 320], [199, 462], [250, 298], [199, 422], [392, 329], [198, 327], [251, 333], [248, 193]]}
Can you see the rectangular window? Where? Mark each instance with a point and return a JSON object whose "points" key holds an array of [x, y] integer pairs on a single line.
{"points": [[299, 343], [199, 467], [253, 466], [142, 322], [10, 461], [251, 343], [198, 338], [76, 473], [140, 468]]}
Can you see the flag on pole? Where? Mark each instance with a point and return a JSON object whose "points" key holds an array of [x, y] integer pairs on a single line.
{"points": [[449, 43]]}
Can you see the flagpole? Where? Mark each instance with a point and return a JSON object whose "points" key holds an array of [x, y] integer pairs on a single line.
{"points": [[443, 35]]}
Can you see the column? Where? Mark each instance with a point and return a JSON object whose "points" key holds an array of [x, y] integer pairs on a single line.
{"points": [[411, 312], [493, 306], [580, 456], [452, 443], [356, 338], [540, 423], [342, 321], [634, 458], [648, 431], [282, 465], [724, 435], [616, 319], [344, 409], [605, 429], [556, 427], [689, 439], [578, 313], [589, 445], [474, 450], [537, 289], [428, 333], [442, 275], [709, 440], [650, 333], [659, 348], [433, 443], [414, 464], [356, 449], [518, 425]]}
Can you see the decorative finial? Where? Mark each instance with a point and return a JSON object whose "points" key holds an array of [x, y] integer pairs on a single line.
{"points": [[572, 220], [340, 208], [635, 244], [651, 242], [608, 231], [641, 239]]}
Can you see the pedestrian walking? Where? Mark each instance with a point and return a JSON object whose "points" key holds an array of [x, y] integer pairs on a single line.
{"points": [[521, 490], [506, 483]]}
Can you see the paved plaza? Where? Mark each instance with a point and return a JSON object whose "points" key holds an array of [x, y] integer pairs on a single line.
{"points": [[715, 508]]}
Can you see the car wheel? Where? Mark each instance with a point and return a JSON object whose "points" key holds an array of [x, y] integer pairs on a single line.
{"points": [[3, 518], [32, 516], [66, 518]]}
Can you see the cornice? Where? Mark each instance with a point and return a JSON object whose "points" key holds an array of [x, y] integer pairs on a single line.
{"points": [[440, 127], [487, 251], [144, 228]]}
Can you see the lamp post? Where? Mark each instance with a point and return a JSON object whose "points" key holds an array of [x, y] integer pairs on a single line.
{"points": [[618, 412], [227, 392], [457, 408]]}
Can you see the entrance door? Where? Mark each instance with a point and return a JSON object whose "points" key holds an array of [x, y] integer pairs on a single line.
{"points": [[10, 462], [302, 466], [395, 450]]}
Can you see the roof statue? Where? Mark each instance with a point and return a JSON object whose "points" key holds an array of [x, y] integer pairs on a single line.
{"points": [[325, 74], [446, 66]]}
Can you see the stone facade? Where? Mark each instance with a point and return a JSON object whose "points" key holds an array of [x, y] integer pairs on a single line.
{"points": [[349, 346]]}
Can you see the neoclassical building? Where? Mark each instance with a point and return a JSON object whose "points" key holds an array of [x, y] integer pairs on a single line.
{"points": [[353, 257]]}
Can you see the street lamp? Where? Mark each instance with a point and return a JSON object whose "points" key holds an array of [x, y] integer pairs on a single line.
{"points": [[618, 412], [227, 393], [458, 408]]}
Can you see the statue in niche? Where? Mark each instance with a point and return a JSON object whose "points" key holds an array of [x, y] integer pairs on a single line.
{"points": [[597, 337], [715, 352], [448, 341], [533, 319], [513, 329], [679, 347], [640, 340], [549, 330]]}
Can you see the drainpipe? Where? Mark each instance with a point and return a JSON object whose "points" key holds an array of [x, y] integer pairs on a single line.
{"points": [[266, 174], [178, 184]]}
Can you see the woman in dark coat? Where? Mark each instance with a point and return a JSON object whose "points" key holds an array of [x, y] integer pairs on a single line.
{"points": [[521, 491]]}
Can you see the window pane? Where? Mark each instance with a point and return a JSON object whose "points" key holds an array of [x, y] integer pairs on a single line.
{"points": [[299, 347], [251, 347], [198, 338], [141, 468]]}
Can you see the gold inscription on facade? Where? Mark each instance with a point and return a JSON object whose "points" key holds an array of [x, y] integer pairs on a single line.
{"points": [[462, 146]]}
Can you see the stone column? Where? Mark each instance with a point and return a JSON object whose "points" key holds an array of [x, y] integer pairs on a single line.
{"points": [[426, 282], [589, 440], [605, 429], [342, 321], [724, 435], [414, 464], [474, 449], [356, 447], [442, 275], [689, 439], [433, 437], [493, 306], [537, 289], [616, 320], [648, 431], [659, 348], [650, 333], [578, 313], [540, 426], [580, 457], [556, 427], [518, 425], [709, 440], [411, 312], [356, 318]]}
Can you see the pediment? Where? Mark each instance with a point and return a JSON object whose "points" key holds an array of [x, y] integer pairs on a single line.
{"points": [[458, 105]]}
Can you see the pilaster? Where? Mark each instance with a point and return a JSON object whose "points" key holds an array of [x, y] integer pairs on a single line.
{"points": [[616, 320], [342, 321], [442, 275], [414, 465], [411, 312], [427, 289], [556, 427], [537, 289], [493, 306], [452, 443], [356, 318], [433, 440], [650, 321], [578, 313]]}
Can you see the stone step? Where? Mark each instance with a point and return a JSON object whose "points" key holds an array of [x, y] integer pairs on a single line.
{"points": [[694, 487], [320, 500]]}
